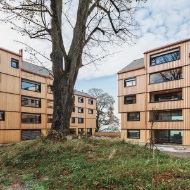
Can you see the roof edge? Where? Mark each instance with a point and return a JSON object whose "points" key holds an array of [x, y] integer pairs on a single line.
{"points": [[120, 72], [8, 51], [165, 46]]}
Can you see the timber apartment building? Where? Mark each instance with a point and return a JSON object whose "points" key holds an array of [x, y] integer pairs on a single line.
{"points": [[26, 101], [160, 81]]}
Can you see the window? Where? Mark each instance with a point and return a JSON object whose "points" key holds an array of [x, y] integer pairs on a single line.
{"points": [[49, 89], [167, 115], [80, 100], [49, 118], [133, 134], [31, 118], [133, 116], [80, 120], [130, 82], [73, 109], [90, 102], [89, 131], [90, 111], [164, 57], [80, 110], [164, 76], [31, 102], [50, 103], [131, 99], [166, 96], [2, 116], [31, 85], [80, 130], [73, 120], [14, 63], [30, 134]]}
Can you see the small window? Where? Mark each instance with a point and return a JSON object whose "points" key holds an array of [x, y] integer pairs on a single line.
{"points": [[80, 120], [31, 102], [30, 118], [50, 103], [2, 116], [14, 63], [73, 109], [131, 99], [133, 134], [90, 102], [80, 110], [80, 100], [90, 111], [49, 118], [73, 120], [130, 82], [80, 130], [133, 116], [49, 89], [30, 85], [89, 131]]}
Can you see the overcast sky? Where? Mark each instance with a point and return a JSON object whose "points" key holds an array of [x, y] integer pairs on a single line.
{"points": [[161, 22]]}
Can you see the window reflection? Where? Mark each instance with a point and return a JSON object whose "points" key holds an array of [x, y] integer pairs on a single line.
{"points": [[30, 85]]}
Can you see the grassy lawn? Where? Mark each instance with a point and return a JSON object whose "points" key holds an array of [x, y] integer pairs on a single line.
{"points": [[89, 164]]}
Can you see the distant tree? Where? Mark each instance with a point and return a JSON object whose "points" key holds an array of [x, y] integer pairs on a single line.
{"points": [[92, 24], [105, 118]]}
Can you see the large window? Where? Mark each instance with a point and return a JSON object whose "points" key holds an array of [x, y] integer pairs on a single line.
{"points": [[31, 102], [2, 115], [164, 76], [30, 134], [131, 99], [130, 82], [31, 118], [133, 134], [164, 57], [14, 63], [80, 120], [133, 116], [31, 85], [167, 115]]}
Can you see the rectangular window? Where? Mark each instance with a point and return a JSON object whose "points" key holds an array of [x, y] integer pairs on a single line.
{"points": [[31, 102], [90, 102], [130, 82], [80, 110], [80, 130], [164, 76], [14, 63], [30, 118], [80, 100], [131, 99], [133, 116], [49, 89], [49, 118], [167, 115], [30, 85], [73, 109], [166, 96], [50, 103], [80, 120], [133, 134], [90, 111], [73, 120], [89, 131], [2, 116], [30, 134], [164, 57]]}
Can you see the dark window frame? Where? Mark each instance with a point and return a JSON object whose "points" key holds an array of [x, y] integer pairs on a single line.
{"points": [[90, 101], [49, 106], [133, 131], [131, 79], [162, 54], [73, 110], [49, 119], [180, 76], [72, 119], [128, 116], [80, 99], [31, 82], [37, 130], [3, 115], [31, 98], [133, 98], [34, 114], [80, 110], [80, 120], [16, 61], [49, 89], [90, 111]]}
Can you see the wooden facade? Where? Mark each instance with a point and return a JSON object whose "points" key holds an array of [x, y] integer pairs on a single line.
{"points": [[162, 83], [26, 102]]}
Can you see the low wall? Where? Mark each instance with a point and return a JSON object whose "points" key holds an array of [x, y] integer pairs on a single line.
{"points": [[108, 134]]}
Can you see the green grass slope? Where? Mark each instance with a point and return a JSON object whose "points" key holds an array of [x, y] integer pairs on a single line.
{"points": [[89, 164]]}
